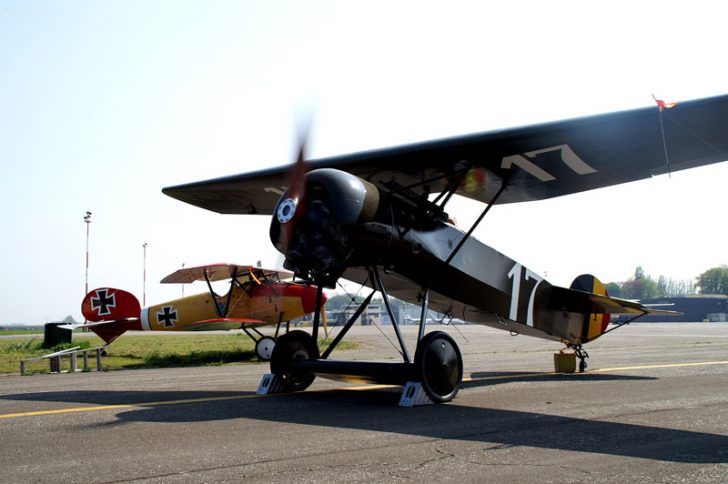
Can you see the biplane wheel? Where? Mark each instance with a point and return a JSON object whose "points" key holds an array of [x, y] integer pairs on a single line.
{"points": [[439, 366], [292, 346], [264, 347]]}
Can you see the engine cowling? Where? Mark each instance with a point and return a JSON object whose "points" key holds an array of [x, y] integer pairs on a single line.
{"points": [[313, 232]]}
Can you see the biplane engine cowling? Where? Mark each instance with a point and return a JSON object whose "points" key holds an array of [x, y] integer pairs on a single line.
{"points": [[313, 232]]}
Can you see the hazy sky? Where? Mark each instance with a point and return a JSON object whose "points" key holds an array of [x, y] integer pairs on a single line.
{"points": [[104, 103]]}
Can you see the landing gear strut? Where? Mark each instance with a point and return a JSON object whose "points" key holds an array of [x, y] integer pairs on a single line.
{"points": [[582, 355], [433, 376], [263, 344]]}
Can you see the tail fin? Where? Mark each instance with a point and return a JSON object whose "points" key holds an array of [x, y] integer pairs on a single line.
{"points": [[595, 323], [117, 311]]}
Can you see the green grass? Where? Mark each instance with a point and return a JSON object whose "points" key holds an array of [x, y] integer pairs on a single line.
{"points": [[141, 351], [13, 332]]}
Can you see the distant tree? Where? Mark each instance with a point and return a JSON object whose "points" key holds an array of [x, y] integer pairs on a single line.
{"points": [[643, 286], [714, 280], [341, 301], [614, 289], [632, 289], [663, 286], [640, 286]]}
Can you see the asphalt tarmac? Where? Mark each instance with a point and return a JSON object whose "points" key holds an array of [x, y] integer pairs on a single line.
{"points": [[652, 407]]}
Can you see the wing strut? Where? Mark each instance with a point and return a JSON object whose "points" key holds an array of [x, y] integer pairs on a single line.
{"points": [[423, 315], [349, 324], [317, 314], [503, 187], [617, 326], [374, 274], [449, 193], [221, 311]]}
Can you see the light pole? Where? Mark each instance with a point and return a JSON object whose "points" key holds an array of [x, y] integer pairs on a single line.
{"points": [[144, 277], [183, 286], [87, 219]]}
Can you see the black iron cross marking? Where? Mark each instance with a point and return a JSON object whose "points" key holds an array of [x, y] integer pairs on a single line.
{"points": [[103, 302], [168, 316]]}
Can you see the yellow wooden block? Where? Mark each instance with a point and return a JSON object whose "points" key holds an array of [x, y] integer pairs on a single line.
{"points": [[565, 362]]}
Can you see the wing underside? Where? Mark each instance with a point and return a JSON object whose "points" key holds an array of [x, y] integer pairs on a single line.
{"points": [[218, 272], [536, 162]]}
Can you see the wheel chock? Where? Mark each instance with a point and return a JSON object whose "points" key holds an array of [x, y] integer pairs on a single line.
{"points": [[413, 394], [565, 362], [269, 384]]}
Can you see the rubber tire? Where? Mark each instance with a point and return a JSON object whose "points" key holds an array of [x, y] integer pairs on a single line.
{"points": [[264, 347], [294, 345], [439, 366]]}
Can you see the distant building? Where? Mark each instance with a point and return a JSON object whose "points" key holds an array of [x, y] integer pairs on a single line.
{"points": [[697, 308], [373, 314]]}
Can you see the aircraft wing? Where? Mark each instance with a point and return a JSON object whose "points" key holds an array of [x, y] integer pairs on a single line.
{"points": [[219, 324], [217, 272], [537, 162]]}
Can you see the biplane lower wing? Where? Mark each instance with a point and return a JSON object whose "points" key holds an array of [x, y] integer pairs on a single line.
{"points": [[225, 324], [537, 162]]}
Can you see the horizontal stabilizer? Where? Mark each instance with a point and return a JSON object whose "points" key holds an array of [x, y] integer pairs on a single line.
{"points": [[588, 296], [574, 300], [661, 312], [96, 323]]}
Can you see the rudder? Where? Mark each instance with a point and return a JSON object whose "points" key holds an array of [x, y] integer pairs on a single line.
{"points": [[596, 322], [117, 311]]}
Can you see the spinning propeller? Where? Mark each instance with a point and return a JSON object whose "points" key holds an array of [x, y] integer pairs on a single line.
{"points": [[287, 211]]}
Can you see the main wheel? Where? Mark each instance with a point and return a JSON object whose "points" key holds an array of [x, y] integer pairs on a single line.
{"points": [[264, 347], [292, 346], [439, 366]]}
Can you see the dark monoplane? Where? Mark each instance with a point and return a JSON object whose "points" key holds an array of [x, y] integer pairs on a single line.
{"points": [[378, 218]]}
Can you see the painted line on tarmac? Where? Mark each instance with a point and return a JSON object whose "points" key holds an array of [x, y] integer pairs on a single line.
{"points": [[94, 408], [60, 411], [596, 370], [667, 365]]}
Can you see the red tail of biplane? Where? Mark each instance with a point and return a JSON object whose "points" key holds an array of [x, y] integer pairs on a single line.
{"points": [[596, 322], [111, 312]]}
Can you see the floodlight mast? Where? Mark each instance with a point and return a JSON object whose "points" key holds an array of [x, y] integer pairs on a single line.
{"points": [[87, 220], [144, 276]]}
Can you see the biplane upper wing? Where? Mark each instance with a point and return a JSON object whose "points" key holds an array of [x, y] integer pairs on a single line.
{"points": [[218, 272], [537, 162]]}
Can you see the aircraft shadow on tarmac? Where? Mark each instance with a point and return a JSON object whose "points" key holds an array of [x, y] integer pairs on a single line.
{"points": [[103, 397], [377, 411], [483, 379]]}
